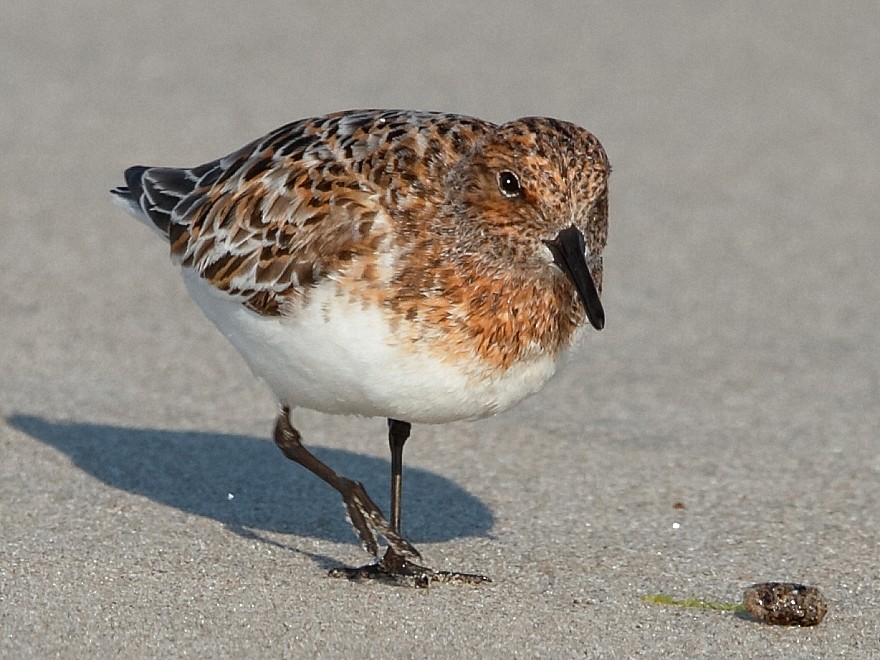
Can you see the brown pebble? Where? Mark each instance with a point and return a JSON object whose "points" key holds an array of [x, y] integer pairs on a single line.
{"points": [[678, 505], [785, 603]]}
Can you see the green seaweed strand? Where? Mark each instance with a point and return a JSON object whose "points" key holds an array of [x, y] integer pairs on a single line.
{"points": [[698, 603]]}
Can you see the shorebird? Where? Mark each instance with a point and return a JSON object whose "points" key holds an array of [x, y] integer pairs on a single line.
{"points": [[416, 266]]}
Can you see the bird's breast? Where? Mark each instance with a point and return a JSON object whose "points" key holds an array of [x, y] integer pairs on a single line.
{"points": [[340, 353]]}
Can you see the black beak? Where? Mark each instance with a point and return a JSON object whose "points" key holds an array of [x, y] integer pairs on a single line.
{"points": [[568, 253]]}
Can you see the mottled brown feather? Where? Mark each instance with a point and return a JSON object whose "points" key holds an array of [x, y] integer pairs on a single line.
{"points": [[328, 196]]}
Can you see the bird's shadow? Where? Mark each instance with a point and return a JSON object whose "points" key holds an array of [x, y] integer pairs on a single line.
{"points": [[246, 483]]}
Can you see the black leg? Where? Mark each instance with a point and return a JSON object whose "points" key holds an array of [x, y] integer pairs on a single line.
{"points": [[393, 564], [398, 432]]}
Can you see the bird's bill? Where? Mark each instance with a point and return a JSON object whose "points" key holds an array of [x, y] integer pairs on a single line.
{"points": [[569, 254]]}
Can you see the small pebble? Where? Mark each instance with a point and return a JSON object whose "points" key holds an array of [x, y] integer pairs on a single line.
{"points": [[785, 604]]}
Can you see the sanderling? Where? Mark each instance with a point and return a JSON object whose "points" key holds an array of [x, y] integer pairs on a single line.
{"points": [[417, 266]]}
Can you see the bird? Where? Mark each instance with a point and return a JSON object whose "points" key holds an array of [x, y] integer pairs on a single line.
{"points": [[421, 267]]}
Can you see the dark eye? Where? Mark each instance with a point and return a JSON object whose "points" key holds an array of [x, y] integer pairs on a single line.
{"points": [[508, 182]]}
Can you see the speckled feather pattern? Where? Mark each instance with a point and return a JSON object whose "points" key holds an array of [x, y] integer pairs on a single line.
{"points": [[400, 214]]}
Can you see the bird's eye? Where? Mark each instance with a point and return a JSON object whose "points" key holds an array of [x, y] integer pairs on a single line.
{"points": [[508, 183]]}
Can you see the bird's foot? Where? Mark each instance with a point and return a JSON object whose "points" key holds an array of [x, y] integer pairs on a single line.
{"points": [[395, 569], [368, 521]]}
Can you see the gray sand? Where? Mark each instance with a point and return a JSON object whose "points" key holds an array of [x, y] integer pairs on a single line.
{"points": [[144, 509]]}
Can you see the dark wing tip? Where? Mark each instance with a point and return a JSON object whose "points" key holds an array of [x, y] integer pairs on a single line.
{"points": [[134, 177], [141, 196], [134, 186]]}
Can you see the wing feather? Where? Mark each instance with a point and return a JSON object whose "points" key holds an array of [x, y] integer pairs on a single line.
{"points": [[279, 215]]}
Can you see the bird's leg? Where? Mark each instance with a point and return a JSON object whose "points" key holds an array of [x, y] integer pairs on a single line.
{"points": [[398, 432], [394, 566], [365, 516]]}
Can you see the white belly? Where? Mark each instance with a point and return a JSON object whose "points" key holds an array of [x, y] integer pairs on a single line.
{"points": [[338, 357]]}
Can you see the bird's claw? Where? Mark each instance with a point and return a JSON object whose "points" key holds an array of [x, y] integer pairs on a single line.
{"points": [[397, 570]]}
